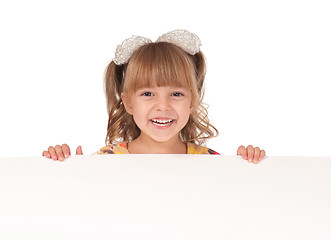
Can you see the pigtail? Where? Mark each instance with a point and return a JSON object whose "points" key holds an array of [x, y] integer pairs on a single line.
{"points": [[200, 70], [119, 122]]}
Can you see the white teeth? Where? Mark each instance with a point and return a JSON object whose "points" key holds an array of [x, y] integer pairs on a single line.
{"points": [[161, 125], [162, 121]]}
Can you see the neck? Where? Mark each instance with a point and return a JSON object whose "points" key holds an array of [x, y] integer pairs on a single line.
{"points": [[145, 145]]}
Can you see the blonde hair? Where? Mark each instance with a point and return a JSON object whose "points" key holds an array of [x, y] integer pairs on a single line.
{"points": [[157, 64]]}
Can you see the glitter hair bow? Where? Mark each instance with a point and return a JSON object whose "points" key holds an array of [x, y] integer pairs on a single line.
{"points": [[186, 40]]}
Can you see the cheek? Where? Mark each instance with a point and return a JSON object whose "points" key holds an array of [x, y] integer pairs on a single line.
{"points": [[140, 110], [185, 110]]}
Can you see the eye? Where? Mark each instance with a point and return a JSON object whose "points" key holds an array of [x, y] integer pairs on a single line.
{"points": [[177, 94], [147, 94]]}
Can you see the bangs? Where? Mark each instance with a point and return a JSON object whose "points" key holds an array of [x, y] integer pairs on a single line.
{"points": [[158, 65]]}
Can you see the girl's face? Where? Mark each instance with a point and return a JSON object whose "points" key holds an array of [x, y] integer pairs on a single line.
{"points": [[160, 112]]}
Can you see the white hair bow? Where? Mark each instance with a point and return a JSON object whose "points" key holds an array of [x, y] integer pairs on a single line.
{"points": [[184, 39]]}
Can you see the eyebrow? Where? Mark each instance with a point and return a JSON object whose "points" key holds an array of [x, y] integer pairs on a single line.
{"points": [[181, 88], [171, 87]]}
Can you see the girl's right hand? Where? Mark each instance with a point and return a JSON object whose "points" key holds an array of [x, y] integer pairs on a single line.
{"points": [[61, 152]]}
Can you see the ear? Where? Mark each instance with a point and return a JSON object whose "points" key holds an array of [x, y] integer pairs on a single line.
{"points": [[127, 103], [192, 107]]}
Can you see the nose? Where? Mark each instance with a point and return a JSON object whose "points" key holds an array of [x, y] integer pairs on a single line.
{"points": [[162, 103]]}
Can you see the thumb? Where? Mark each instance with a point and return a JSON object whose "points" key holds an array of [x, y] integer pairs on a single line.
{"points": [[79, 150]]}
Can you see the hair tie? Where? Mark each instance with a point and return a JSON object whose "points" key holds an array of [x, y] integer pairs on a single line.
{"points": [[184, 39]]}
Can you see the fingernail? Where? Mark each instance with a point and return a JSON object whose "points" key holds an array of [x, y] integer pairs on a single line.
{"points": [[66, 155], [250, 160]]}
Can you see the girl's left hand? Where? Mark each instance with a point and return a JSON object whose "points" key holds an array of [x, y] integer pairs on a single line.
{"points": [[251, 154]]}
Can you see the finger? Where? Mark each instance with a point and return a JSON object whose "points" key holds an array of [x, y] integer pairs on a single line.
{"points": [[79, 150], [51, 151], [242, 151], [250, 153], [256, 155], [46, 154], [58, 150], [262, 154], [66, 150]]}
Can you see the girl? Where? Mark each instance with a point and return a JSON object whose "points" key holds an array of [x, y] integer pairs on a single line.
{"points": [[154, 97]]}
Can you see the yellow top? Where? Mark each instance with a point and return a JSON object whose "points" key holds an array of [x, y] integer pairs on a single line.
{"points": [[123, 149]]}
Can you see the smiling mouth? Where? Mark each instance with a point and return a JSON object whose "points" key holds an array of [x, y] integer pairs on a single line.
{"points": [[162, 123]]}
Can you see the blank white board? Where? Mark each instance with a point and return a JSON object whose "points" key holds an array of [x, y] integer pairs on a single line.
{"points": [[165, 197]]}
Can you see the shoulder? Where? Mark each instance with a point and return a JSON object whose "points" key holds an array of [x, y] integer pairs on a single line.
{"points": [[114, 149], [193, 148]]}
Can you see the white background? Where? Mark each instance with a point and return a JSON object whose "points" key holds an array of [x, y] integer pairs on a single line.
{"points": [[164, 197], [267, 79]]}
